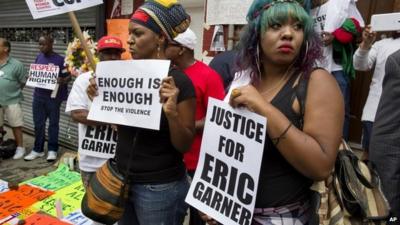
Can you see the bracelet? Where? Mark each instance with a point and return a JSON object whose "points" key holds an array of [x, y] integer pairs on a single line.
{"points": [[275, 141]]}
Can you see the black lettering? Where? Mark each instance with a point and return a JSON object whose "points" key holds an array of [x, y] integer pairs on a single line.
{"points": [[157, 83], [207, 167], [58, 3], [245, 180], [84, 144], [220, 174], [245, 217], [259, 133], [235, 212], [89, 130], [216, 201], [198, 190], [227, 122], [206, 198], [232, 181], [251, 125]]}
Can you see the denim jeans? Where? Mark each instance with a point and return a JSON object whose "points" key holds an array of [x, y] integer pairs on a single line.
{"points": [[158, 204], [43, 108], [344, 85]]}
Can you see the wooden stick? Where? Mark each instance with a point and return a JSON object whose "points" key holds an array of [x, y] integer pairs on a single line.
{"points": [[78, 31]]}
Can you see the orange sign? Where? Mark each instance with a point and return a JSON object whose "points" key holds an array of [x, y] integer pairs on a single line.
{"points": [[42, 219], [119, 28], [15, 200]]}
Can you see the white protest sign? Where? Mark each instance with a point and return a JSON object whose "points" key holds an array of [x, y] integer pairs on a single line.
{"points": [[77, 218], [43, 76], [3, 186], [45, 8], [129, 93], [97, 141], [225, 183], [227, 11]]}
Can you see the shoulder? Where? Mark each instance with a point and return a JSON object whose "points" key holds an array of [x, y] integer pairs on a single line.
{"points": [[16, 62], [323, 85], [179, 76]]}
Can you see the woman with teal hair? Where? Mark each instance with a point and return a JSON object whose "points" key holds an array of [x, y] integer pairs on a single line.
{"points": [[303, 105]]}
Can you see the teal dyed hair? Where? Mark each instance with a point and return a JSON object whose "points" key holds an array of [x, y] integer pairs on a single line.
{"points": [[264, 13]]}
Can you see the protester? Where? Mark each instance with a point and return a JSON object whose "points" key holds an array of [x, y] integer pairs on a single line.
{"points": [[207, 83], [45, 106], [367, 56], [158, 176], [339, 24], [279, 49], [12, 80], [108, 48], [384, 149]]}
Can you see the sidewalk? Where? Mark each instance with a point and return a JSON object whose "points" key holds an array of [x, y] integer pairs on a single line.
{"points": [[16, 171]]}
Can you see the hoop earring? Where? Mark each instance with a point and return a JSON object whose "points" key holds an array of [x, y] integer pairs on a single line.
{"points": [[305, 53], [158, 51], [258, 61]]}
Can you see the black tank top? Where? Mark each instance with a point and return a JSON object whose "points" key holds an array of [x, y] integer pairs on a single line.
{"points": [[280, 183]]}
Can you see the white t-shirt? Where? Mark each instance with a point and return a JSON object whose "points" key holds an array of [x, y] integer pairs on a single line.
{"points": [[328, 17], [96, 144], [364, 60]]}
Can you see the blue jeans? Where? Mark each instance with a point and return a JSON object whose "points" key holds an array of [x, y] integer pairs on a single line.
{"points": [[344, 85], [158, 204], [42, 109]]}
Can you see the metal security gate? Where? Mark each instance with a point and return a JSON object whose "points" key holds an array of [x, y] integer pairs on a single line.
{"points": [[18, 26]]}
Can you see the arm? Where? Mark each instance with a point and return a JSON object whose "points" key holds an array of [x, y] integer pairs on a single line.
{"points": [[365, 56], [80, 116], [312, 151], [180, 116]]}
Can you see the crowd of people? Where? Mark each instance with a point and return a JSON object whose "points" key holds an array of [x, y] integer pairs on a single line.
{"points": [[288, 47]]}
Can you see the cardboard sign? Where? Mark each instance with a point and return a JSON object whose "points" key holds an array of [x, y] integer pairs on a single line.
{"points": [[71, 197], [226, 179], [15, 218], [40, 218], [227, 11], [15, 200], [119, 28], [43, 76], [57, 179], [45, 8], [129, 93], [97, 141]]}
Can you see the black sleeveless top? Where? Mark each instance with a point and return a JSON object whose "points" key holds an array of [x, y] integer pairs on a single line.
{"points": [[280, 183]]}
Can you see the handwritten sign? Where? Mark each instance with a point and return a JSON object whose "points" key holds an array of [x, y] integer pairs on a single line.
{"points": [[15, 218], [43, 76], [40, 218], [45, 8], [57, 179], [15, 200], [97, 141], [71, 199], [129, 93], [227, 11], [227, 191], [77, 218]]}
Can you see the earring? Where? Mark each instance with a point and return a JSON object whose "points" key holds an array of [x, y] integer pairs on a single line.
{"points": [[258, 60], [158, 51], [305, 53]]}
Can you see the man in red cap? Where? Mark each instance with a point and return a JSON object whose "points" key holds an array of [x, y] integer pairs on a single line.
{"points": [[78, 104]]}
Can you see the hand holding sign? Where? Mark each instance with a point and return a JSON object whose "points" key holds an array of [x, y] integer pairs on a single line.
{"points": [[92, 88], [168, 96], [249, 97]]}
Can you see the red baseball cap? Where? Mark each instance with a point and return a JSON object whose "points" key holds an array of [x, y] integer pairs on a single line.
{"points": [[109, 42]]}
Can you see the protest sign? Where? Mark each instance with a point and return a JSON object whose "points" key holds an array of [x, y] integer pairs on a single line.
{"points": [[15, 200], [129, 93], [3, 186], [57, 179], [227, 11], [43, 76], [77, 218], [227, 191], [45, 8], [71, 197], [97, 141], [15, 218], [40, 218]]}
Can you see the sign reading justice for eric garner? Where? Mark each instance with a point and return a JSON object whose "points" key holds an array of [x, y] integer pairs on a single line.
{"points": [[226, 179], [43, 76], [129, 93]]}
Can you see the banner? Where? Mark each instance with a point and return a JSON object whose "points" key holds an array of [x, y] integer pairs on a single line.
{"points": [[119, 28], [226, 179], [45, 8], [71, 197], [129, 93], [227, 11], [14, 201], [57, 179], [97, 141], [43, 76]]}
